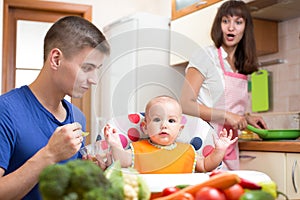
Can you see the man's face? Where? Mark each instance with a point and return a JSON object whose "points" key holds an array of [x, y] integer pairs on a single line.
{"points": [[81, 72]]}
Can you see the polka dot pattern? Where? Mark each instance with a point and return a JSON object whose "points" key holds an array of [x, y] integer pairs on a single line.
{"points": [[207, 150], [133, 134], [196, 131], [134, 118], [124, 141], [197, 143], [183, 119]]}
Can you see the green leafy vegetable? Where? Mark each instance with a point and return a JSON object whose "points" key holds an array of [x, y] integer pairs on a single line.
{"points": [[84, 180], [72, 180]]}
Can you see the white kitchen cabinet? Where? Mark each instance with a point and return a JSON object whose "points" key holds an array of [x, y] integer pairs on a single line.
{"points": [[272, 164], [293, 175], [283, 168]]}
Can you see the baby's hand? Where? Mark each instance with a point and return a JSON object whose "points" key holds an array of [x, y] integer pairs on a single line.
{"points": [[225, 140], [112, 137]]}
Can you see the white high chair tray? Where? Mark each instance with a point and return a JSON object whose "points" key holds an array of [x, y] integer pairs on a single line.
{"points": [[157, 182]]}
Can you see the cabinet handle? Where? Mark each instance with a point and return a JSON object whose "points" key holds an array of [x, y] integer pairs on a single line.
{"points": [[200, 3], [247, 157], [293, 176]]}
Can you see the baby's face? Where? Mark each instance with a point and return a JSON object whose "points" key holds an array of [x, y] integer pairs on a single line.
{"points": [[163, 122]]}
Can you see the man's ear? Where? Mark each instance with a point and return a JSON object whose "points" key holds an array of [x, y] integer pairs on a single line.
{"points": [[55, 57]]}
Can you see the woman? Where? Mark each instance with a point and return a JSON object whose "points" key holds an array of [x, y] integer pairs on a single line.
{"points": [[215, 88]]}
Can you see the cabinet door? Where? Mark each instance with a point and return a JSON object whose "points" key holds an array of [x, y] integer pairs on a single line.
{"points": [[266, 36], [182, 8], [293, 175], [272, 164], [191, 32]]}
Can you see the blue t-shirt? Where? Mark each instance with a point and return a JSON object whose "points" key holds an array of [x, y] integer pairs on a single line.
{"points": [[25, 127]]}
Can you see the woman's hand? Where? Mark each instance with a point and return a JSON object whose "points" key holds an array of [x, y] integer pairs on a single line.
{"points": [[237, 122], [256, 121]]}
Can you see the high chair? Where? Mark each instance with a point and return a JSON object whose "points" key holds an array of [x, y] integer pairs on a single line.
{"points": [[196, 131]]}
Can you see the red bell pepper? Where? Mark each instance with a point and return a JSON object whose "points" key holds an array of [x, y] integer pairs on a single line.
{"points": [[246, 184]]}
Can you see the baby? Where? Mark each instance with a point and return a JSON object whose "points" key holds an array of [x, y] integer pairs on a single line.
{"points": [[161, 153]]}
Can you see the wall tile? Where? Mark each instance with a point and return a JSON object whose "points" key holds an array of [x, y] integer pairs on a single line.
{"points": [[285, 84], [294, 102]]}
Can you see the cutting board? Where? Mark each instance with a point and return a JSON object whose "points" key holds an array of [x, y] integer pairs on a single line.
{"points": [[260, 90]]}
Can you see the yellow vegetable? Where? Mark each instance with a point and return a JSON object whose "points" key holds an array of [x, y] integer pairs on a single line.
{"points": [[84, 134], [270, 187]]}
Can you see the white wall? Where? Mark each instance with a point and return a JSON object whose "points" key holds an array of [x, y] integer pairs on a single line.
{"points": [[107, 11]]}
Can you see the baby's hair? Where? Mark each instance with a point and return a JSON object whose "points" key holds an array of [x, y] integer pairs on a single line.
{"points": [[166, 96], [162, 98]]}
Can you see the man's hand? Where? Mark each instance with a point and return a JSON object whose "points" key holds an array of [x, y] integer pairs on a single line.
{"points": [[65, 142]]}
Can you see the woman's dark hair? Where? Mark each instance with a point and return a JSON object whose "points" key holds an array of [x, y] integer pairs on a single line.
{"points": [[245, 54], [71, 34]]}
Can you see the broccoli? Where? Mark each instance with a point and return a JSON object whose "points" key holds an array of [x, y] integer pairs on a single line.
{"points": [[84, 180], [54, 180], [102, 194], [72, 180], [86, 176]]}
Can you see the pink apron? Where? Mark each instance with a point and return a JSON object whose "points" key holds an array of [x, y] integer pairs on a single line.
{"points": [[235, 101]]}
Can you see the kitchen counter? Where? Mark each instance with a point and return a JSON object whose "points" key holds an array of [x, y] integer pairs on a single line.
{"points": [[288, 146]]}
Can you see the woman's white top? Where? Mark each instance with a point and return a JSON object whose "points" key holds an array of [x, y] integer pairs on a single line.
{"points": [[206, 61]]}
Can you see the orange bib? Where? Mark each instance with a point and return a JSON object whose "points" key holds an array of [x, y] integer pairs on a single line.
{"points": [[148, 159]]}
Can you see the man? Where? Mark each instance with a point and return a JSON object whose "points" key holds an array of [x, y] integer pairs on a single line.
{"points": [[37, 126]]}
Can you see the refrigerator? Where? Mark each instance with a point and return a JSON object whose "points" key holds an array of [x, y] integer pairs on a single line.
{"points": [[138, 67]]}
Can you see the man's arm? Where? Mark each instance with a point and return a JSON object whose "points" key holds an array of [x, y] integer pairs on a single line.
{"points": [[63, 144]]}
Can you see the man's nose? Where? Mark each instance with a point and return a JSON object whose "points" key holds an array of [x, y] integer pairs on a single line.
{"points": [[93, 78]]}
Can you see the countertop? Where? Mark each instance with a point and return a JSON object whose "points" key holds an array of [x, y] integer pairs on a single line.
{"points": [[288, 146]]}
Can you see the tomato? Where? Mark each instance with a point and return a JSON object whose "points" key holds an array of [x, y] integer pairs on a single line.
{"points": [[234, 192], [209, 193], [169, 190]]}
